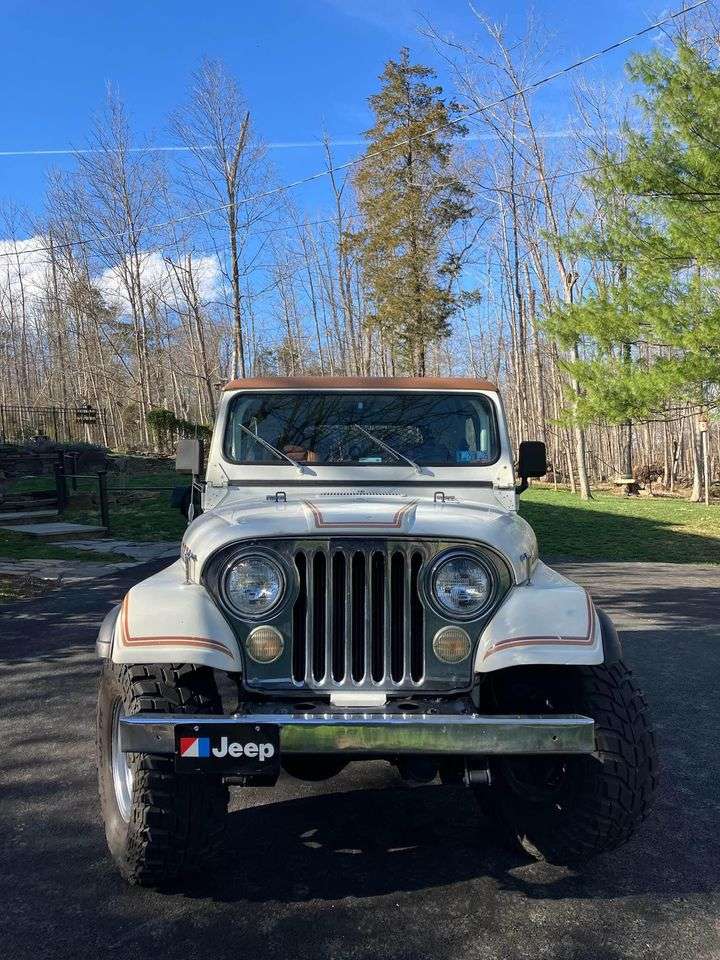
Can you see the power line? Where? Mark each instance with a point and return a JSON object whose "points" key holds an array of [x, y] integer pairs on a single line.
{"points": [[488, 188], [452, 121], [158, 248], [297, 225]]}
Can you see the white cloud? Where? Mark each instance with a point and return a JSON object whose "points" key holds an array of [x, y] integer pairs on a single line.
{"points": [[158, 277], [28, 274], [25, 273]]}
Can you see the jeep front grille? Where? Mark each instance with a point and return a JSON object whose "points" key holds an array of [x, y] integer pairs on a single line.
{"points": [[358, 620], [357, 616]]}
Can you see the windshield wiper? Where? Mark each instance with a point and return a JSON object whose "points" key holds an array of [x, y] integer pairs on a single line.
{"points": [[271, 448], [386, 446]]}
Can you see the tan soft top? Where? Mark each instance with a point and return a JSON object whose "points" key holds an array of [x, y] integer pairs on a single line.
{"points": [[361, 383]]}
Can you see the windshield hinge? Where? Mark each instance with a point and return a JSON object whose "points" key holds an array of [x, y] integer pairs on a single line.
{"points": [[223, 483]]}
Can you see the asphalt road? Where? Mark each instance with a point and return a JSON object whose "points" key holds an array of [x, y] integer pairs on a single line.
{"points": [[360, 866]]}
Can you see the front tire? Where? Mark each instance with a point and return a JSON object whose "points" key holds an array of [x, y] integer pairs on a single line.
{"points": [[568, 809], [160, 825]]}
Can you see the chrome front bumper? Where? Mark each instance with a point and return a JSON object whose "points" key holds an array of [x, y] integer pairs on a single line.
{"points": [[376, 734]]}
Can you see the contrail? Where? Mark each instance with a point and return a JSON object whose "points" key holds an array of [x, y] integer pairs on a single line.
{"points": [[272, 145], [73, 152]]}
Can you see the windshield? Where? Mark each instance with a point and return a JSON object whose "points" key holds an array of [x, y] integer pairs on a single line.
{"points": [[330, 428]]}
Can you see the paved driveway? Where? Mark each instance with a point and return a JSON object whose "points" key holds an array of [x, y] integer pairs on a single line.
{"points": [[361, 866]]}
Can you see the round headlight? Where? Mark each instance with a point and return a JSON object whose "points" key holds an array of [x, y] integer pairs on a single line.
{"points": [[461, 585], [264, 644], [254, 585]]}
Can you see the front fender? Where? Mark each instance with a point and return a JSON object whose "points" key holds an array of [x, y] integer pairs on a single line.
{"points": [[548, 620], [165, 620]]}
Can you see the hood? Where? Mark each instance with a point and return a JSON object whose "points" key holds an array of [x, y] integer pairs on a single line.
{"points": [[332, 515]]}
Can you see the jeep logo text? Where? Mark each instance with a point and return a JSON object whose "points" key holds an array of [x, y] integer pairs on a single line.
{"points": [[253, 751]]}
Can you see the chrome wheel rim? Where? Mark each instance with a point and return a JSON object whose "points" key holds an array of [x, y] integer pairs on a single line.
{"points": [[122, 772]]}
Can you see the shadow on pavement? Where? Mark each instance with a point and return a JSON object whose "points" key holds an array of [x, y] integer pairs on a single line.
{"points": [[359, 867], [369, 843]]}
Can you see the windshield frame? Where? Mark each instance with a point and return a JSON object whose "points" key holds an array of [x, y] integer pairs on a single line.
{"points": [[497, 423]]}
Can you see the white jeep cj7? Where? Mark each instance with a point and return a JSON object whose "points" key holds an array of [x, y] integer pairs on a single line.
{"points": [[358, 586]]}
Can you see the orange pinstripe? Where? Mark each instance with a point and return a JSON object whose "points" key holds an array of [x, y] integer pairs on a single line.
{"points": [[169, 641], [585, 641], [394, 524]]}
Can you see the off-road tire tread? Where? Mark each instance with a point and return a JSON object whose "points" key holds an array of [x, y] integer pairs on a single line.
{"points": [[615, 789], [178, 821]]}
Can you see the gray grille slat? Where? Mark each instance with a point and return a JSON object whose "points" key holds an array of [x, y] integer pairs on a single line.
{"points": [[407, 625], [347, 584], [309, 617], [387, 611], [417, 620], [329, 620], [367, 620]]}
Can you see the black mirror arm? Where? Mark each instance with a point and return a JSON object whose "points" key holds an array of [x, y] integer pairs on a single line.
{"points": [[522, 486]]}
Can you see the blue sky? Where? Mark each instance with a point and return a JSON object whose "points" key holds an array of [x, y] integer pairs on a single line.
{"points": [[304, 66]]}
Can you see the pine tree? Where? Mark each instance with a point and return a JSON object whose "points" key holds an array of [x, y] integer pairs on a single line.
{"points": [[409, 198], [650, 326]]}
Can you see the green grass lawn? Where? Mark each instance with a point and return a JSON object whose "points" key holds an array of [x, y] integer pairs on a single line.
{"points": [[135, 513], [147, 520], [609, 527], [31, 484], [613, 527]]}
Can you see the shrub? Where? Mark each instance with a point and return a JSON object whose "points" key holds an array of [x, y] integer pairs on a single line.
{"points": [[648, 474], [167, 428]]}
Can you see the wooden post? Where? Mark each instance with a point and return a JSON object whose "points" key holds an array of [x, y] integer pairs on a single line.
{"points": [[61, 483], [703, 427], [73, 457], [104, 508]]}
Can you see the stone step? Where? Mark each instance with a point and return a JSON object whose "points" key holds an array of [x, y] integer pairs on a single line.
{"points": [[30, 494], [11, 502], [25, 516], [57, 531]]}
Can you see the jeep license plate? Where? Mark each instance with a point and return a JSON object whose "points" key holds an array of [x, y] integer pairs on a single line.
{"points": [[237, 748]]}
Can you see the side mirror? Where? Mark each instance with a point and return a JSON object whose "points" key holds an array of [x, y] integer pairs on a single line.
{"points": [[532, 462], [189, 456]]}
